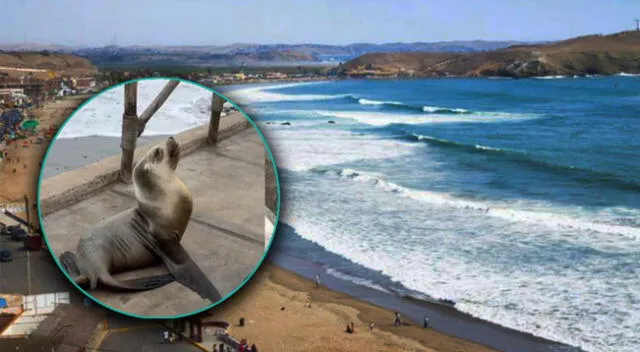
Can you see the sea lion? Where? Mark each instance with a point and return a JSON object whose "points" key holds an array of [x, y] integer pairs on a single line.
{"points": [[142, 236]]}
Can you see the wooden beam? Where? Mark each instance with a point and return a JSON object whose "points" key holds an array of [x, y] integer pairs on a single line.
{"points": [[217, 103], [155, 105], [129, 131]]}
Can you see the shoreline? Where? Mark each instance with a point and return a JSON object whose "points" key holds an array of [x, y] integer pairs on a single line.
{"points": [[445, 319], [284, 311]]}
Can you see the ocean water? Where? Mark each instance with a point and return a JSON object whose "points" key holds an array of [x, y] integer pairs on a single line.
{"points": [[518, 199], [187, 107]]}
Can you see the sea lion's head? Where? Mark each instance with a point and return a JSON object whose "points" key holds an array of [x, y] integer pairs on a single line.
{"points": [[161, 195], [165, 155], [160, 162]]}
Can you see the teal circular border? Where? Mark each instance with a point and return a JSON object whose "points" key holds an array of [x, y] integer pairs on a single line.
{"points": [[246, 279]]}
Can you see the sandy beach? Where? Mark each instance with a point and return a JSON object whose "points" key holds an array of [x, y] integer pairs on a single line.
{"points": [[21, 166], [322, 327]]}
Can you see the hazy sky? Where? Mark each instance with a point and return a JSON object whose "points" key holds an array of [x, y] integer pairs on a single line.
{"points": [[219, 22]]}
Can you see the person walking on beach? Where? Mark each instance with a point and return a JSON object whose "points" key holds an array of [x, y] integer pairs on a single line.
{"points": [[397, 322], [426, 322], [371, 325], [317, 281]]}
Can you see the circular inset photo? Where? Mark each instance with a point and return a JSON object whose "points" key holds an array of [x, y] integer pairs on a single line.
{"points": [[158, 198]]}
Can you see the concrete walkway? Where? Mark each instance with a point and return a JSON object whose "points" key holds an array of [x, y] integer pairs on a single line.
{"points": [[226, 235]]}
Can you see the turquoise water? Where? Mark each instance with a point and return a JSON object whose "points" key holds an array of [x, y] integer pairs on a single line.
{"points": [[518, 199]]}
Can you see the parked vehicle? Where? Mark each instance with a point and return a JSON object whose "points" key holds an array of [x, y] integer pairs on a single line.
{"points": [[8, 230], [18, 234], [5, 255]]}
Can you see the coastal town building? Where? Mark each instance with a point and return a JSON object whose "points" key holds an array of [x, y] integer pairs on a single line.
{"points": [[275, 75], [83, 83]]}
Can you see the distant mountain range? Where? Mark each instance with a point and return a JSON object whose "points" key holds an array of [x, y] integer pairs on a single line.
{"points": [[586, 55], [251, 54]]}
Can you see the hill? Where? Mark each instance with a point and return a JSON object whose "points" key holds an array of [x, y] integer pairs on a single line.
{"points": [[46, 61], [594, 54]]}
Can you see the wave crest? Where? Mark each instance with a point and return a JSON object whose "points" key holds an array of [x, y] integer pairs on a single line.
{"points": [[585, 175], [490, 209]]}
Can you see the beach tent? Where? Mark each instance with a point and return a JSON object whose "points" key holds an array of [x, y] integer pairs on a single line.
{"points": [[30, 125], [3, 303]]}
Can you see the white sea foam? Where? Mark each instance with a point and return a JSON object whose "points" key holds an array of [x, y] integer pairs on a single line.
{"points": [[503, 211], [269, 94], [427, 108], [363, 101], [624, 74], [421, 137], [302, 150], [483, 147], [550, 77], [187, 107], [357, 280], [383, 118]]}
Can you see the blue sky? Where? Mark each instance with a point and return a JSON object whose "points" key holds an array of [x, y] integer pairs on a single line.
{"points": [[221, 22]]}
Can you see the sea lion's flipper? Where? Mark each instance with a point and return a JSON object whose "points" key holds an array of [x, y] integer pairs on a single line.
{"points": [[69, 263], [184, 269], [140, 284]]}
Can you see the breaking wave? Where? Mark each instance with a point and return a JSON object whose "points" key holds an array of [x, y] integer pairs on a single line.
{"points": [[491, 209]]}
